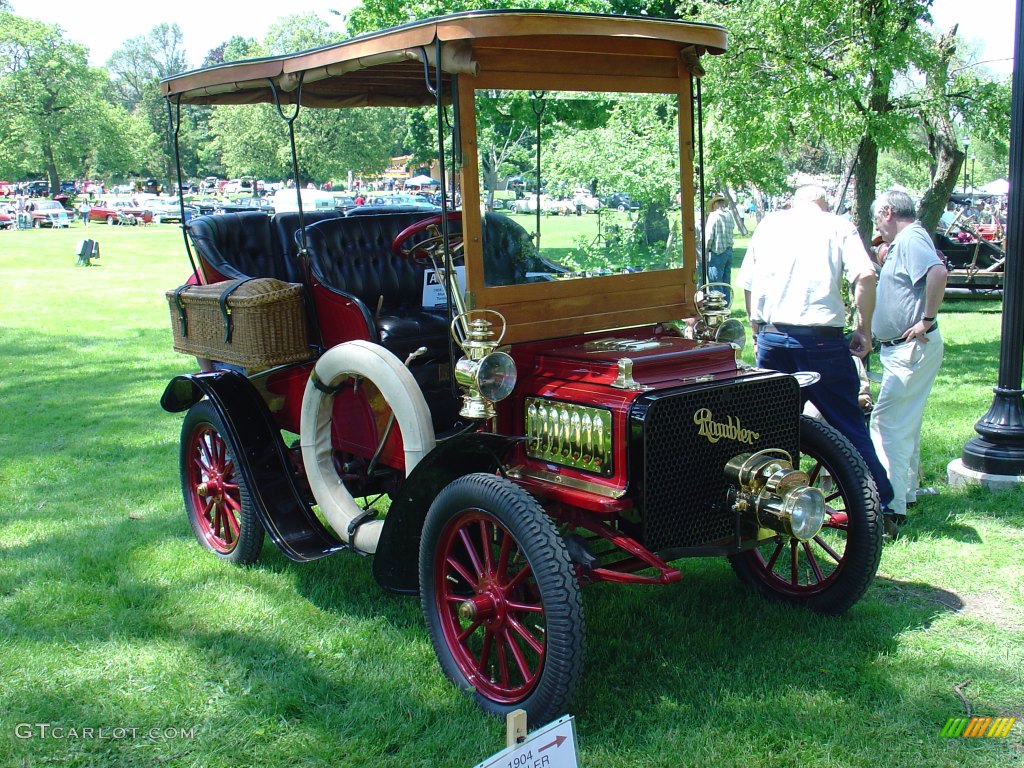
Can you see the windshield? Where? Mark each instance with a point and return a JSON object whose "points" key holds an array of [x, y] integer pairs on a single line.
{"points": [[577, 185]]}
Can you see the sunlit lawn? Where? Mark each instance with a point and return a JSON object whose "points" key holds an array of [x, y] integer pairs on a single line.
{"points": [[111, 616]]}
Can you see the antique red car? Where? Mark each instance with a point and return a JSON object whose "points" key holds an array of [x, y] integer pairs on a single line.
{"points": [[494, 417], [120, 212], [49, 213]]}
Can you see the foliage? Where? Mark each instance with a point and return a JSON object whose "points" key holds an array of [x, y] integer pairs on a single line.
{"points": [[54, 116], [372, 15], [253, 140]]}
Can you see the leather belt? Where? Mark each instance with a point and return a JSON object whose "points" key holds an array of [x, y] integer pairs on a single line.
{"points": [[827, 331], [897, 342]]}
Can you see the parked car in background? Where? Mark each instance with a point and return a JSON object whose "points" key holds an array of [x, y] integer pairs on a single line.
{"points": [[206, 205], [37, 188], [583, 198], [152, 187], [49, 213], [120, 212], [246, 204], [69, 187], [6, 189], [238, 186], [167, 210], [548, 205], [621, 202], [7, 217]]}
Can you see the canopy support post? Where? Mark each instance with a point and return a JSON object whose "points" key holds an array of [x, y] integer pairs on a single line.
{"points": [[174, 120], [303, 251]]}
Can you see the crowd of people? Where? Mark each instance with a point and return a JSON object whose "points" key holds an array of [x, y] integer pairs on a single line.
{"points": [[792, 276]]}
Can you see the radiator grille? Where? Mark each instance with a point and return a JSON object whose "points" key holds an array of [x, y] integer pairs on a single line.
{"points": [[676, 472]]}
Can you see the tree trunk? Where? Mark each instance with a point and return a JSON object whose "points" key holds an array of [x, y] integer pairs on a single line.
{"points": [[864, 189], [947, 158], [51, 169]]}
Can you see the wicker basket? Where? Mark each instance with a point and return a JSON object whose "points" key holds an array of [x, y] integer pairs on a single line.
{"points": [[253, 323]]}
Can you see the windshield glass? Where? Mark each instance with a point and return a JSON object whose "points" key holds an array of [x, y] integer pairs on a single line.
{"points": [[577, 185]]}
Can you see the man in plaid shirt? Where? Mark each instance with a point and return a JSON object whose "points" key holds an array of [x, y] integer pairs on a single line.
{"points": [[719, 243]]}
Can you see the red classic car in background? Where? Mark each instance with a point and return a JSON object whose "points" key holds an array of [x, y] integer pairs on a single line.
{"points": [[120, 212], [7, 217], [49, 213]]}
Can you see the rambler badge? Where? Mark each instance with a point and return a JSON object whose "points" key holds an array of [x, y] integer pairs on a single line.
{"points": [[716, 430]]}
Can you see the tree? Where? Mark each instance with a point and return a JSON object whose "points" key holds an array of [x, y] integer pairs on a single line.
{"points": [[253, 140], [55, 118], [137, 67]]}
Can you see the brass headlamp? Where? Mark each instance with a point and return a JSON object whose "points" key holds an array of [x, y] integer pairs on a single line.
{"points": [[715, 324], [769, 490], [486, 376]]}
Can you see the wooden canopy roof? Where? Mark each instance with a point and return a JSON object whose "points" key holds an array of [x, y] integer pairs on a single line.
{"points": [[387, 68]]}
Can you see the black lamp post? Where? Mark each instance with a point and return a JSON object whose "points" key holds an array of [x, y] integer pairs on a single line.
{"points": [[967, 145], [998, 448]]}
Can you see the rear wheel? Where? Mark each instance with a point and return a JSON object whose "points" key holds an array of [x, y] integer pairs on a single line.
{"points": [[500, 598], [830, 572], [111, 220], [216, 494]]}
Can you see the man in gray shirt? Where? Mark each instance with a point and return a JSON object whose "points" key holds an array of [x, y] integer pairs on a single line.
{"points": [[911, 284]]}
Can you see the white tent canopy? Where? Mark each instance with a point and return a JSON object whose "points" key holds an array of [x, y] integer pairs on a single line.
{"points": [[419, 181], [997, 187]]}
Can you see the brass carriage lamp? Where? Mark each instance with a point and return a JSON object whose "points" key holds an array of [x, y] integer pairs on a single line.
{"points": [[768, 489], [486, 376]]}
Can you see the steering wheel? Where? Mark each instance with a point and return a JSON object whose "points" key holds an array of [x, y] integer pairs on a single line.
{"points": [[432, 245]]}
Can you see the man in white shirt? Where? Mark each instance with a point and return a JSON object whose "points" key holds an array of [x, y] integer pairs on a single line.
{"points": [[911, 285], [792, 277]]}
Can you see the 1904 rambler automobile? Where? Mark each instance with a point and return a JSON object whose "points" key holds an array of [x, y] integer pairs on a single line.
{"points": [[494, 419]]}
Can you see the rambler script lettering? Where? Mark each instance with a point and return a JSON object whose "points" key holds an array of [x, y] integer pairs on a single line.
{"points": [[716, 430]]}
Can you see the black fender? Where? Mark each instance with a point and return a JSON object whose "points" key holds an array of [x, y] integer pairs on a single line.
{"points": [[256, 442], [396, 563]]}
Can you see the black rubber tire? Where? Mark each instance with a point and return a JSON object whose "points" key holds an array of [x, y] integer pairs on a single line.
{"points": [[487, 503], [37, 224], [835, 466], [205, 446], [111, 220]]}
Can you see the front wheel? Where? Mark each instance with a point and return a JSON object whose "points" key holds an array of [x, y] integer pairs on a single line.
{"points": [[217, 497], [500, 598], [111, 220], [830, 572]]}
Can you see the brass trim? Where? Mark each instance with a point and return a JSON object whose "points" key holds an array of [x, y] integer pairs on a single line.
{"points": [[569, 482]]}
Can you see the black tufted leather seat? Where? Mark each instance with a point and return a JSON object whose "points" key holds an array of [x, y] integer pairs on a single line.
{"points": [[352, 256], [285, 226], [242, 245]]}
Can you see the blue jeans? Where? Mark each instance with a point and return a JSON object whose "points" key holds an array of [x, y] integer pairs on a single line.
{"points": [[720, 269], [835, 395]]}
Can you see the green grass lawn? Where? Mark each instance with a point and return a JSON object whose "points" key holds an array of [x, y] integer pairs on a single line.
{"points": [[112, 616]]}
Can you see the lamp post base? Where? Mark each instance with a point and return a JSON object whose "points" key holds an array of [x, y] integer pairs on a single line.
{"points": [[959, 475]]}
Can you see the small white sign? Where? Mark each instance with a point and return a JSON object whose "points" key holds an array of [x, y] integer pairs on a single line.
{"points": [[433, 291], [552, 746]]}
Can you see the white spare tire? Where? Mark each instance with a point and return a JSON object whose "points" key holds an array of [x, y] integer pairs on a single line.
{"points": [[401, 392]]}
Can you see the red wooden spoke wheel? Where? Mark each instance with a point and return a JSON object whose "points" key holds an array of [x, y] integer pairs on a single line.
{"points": [[830, 572], [500, 598], [215, 491]]}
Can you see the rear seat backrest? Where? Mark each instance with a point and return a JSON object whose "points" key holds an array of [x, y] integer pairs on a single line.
{"points": [[353, 254], [284, 227], [242, 245]]}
